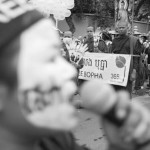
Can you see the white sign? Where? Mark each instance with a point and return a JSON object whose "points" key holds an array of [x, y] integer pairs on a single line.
{"points": [[112, 68]]}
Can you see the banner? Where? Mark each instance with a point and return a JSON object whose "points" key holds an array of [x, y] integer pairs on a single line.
{"points": [[112, 68]]}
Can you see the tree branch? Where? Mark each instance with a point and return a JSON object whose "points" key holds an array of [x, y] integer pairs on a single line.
{"points": [[71, 24], [139, 6], [141, 16]]}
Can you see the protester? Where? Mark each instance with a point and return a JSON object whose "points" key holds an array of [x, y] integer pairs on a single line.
{"points": [[100, 45], [80, 38], [141, 69], [64, 52], [36, 88], [67, 38], [74, 46], [89, 39], [32, 77], [146, 45], [108, 42], [71, 47], [147, 51], [125, 44]]}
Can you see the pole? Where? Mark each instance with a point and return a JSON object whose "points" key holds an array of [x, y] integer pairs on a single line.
{"points": [[56, 23], [115, 4], [148, 24], [132, 25]]}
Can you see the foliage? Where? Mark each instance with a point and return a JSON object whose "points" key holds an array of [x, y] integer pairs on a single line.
{"points": [[142, 10], [103, 10]]}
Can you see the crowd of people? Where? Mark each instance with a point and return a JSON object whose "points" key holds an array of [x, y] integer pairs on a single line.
{"points": [[36, 89], [143, 61], [101, 41]]}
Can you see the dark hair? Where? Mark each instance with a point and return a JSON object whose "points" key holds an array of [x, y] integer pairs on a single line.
{"points": [[8, 69]]}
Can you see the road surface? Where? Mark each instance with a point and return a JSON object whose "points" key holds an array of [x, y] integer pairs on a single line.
{"points": [[89, 132]]}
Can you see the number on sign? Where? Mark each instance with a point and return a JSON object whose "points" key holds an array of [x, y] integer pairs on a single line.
{"points": [[115, 76]]}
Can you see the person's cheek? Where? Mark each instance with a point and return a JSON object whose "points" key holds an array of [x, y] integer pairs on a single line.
{"points": [[48, 111], [58, 117]]}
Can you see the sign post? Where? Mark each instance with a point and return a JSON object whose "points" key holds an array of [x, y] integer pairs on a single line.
{"points": [[133, 1]]}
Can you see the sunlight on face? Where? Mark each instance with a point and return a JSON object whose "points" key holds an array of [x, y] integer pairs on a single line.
{"points": [[45, 79]]}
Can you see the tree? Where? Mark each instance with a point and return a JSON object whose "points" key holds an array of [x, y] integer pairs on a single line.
{"points": [[142, 10], [104, 11]]}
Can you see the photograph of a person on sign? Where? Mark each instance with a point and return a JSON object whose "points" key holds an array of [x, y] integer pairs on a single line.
{"points": [[123, 12]]}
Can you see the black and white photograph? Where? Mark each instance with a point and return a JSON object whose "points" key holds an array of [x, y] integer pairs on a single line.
{"points": [[74, 74]]}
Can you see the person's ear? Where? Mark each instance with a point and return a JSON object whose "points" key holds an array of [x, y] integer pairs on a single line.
{"points": [[3, 95]]}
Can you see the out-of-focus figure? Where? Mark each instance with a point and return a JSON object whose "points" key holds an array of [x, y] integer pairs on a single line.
{"points": [[125, 44], [89, 39]]}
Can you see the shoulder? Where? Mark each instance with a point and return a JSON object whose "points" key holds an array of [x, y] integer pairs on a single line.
{"points": [[133, 38], [101, 40], [115, 39]]}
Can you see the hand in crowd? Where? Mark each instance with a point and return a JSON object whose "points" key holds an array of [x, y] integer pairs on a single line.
{"points": [[72, 45], [77, 47]]}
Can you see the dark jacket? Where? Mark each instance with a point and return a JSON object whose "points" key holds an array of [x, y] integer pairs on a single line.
{"points": [[90, 43], [121, 45], [102, 46]]}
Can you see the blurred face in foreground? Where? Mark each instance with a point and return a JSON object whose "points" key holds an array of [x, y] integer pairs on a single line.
{"points": [[45, 85]]}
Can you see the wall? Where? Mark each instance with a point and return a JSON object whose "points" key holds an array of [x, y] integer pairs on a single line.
{"points": [[82, 23], [143, 27]]}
